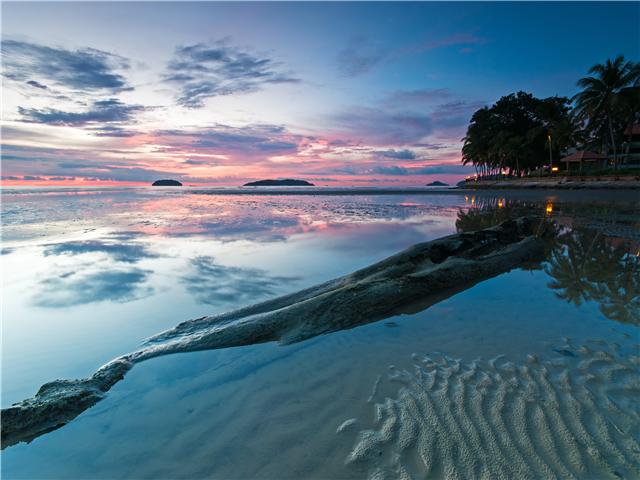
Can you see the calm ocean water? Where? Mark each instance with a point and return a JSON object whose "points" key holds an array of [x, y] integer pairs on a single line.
{"points": [[89, 273]]}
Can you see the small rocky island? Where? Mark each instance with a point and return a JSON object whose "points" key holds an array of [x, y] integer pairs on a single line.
{"points": [[166, 183], [279, 183], [437, 184]]}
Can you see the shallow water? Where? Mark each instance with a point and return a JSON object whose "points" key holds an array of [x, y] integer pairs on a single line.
{"points": [[89, 274]]}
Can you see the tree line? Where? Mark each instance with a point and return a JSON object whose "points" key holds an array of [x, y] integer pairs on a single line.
{"points": [[521, 132]]}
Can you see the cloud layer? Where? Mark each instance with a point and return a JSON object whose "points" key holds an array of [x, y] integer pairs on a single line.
{"points": [[397, 133], [84, 69], [203, 71]]}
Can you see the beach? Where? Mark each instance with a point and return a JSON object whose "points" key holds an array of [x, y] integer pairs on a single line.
{"points": [[272, 410]]}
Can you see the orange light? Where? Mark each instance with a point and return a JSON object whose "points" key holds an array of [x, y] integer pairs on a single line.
{"points": [[500, 204], [554, 169], [549, 208]]}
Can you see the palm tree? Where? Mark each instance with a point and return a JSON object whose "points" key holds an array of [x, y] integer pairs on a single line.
{"points": [[550, 112], [471, 150], [601, 93], [629, 110], [498, 148], [515, 149], [569, 133]]}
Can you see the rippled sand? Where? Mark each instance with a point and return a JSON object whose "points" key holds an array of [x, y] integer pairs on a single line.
{"points": [[557, 419]]}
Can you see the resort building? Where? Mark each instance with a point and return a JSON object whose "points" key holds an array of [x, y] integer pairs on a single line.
{"points": [[628, 156], [632, 158], [584, 161]]}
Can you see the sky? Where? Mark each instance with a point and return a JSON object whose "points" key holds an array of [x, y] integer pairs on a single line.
{"points": [[223, 93]]}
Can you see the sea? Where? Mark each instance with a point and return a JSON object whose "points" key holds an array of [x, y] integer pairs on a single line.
{"points": [[533, 372]]}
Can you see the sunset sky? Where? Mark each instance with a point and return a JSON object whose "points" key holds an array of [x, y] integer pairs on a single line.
{"points": [[213, 93]]}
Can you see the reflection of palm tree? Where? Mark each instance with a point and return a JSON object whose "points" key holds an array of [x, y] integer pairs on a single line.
{"points": [[583, 263], [570, 268], [618, 284], [621, 302], [592, 269]]}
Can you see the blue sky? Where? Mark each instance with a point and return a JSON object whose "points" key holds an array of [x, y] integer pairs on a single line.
{"points": [[227, 92]]}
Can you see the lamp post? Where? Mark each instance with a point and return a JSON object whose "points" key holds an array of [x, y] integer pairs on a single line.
{"points": [[550, 155]]}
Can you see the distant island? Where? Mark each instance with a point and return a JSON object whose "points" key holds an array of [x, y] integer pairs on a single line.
{"points": [[437, 184], [166, 183], [279, 183]]}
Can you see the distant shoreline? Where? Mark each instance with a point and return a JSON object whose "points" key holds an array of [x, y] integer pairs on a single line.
{"points": [[594, 195], [551, 184]]}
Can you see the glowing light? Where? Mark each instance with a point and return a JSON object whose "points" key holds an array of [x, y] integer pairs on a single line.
{"points": [[554, 169], [549, 208], [500, 204]]}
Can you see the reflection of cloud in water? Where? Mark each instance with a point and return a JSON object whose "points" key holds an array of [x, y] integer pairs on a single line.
{"points": [[120, 252], [71, 289], [5, 251], [376, 237], [257, 230], [211, 283]]}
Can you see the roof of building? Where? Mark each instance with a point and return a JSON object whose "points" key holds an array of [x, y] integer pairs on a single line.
{"points": [[583, 155]]}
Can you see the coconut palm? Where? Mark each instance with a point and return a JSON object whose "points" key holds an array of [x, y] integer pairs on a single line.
{"points": [[601, 93], [550, 112], [472, 150], [498, 148], [515, 149], [569, 132], [628, 110]]}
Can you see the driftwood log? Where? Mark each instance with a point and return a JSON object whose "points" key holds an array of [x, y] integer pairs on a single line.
{"points": [[422, 273]]}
